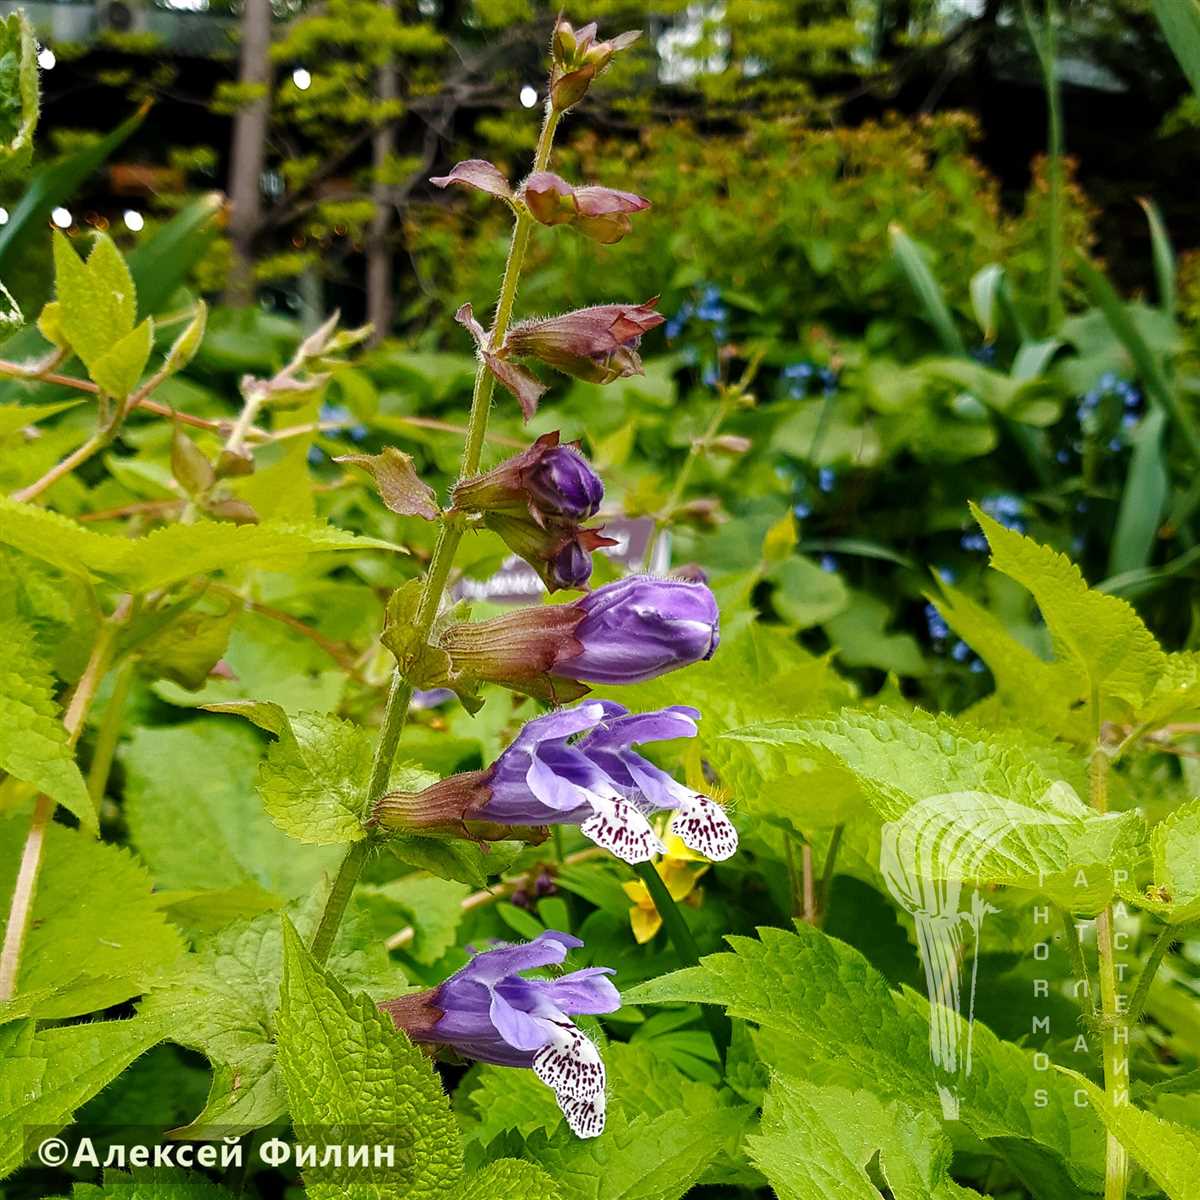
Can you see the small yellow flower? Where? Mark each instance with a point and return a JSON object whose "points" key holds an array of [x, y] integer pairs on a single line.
{"points": [[680, 870]]}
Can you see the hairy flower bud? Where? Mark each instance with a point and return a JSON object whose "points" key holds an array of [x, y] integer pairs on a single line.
{"points": [[600, 213], [551, 480], [598, 344], [578, 59], [560, 554], [625, 632]]}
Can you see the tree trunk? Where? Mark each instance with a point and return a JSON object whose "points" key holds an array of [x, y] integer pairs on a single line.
{"points": [[249, 148], [380, 277]]}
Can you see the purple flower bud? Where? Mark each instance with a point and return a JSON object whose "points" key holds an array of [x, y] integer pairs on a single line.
{"points": [[625, 632], [490, 1012], [641, 627], [561, 553], [597, 344], [548, 481], [579, 58]]}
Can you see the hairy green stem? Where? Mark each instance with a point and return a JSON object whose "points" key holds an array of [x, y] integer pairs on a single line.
{"points": [[685, 947], [1158, 952], [438, 575], [1114, 1029], [110, 730]]}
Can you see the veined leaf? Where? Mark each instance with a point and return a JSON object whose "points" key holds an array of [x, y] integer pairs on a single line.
{"points": [[1101, 637], [825, 1014], [18, 92], [1174, 892], [223, 1001], [816, 1142], [118, 370], [49, 1074], [15, 417], [346, 1067], [96, 937], [1167, 1152], [313, 782], [33, 742], [97, 301]]}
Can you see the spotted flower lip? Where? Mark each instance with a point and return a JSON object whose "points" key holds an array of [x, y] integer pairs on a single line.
{"points": [[577, 766], [489, 1011], [598, 344]]}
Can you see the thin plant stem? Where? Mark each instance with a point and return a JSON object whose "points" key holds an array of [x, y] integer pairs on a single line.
{"points": [[109, 733], [20, 909], [1114, 1029], [685, 947], [810, 895], [1158, 952], [835, 842], [95, 443], [682, 480], [440, 565]]}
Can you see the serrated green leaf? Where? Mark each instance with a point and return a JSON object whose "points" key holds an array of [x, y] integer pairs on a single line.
{"points": [[194, 817], [33, 742], [96, 934], [186, 649], [1174, 892], [119, 369], [507, 1179], [152, 1184], [18, 92], [454, 859], [168, 555], [97, 300], [345, 1066], [1100, 637], [1167, 1152], [223, 1001], [48, 1075], [963, 805], [816, 1142], [826, 1015], [15, 417], [313, 784]]}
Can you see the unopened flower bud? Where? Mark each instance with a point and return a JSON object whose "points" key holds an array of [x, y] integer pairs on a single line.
{"points": [[600, 213], [598, 344], [625, 632], [705, 512], [578, 59], [561, 555], [550, 480], [730, 443]]}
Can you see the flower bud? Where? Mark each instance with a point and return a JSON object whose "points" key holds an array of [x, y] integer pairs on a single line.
{"points": [[578, 59], [625, 632], [549, 481], [561, 555], [597, 344], [600, 213], [641, 627], [730, 443]]}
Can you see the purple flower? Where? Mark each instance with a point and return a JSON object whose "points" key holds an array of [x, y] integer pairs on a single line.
{"points": [[600, 213], [641, 627], [551, 775], [489, 1011], [625, 632]]}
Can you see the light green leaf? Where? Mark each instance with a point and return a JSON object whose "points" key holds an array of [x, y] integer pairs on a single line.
{"points": [[184, 348], [33, 742], [119, 369], [860, 635], [96, 936], [194, 817], [18, 92], [152, 1184], [455, 859], [1174, 893], [1100, 637], [1180, 21], [345, 1066], [1143, 498], [431, 905], [804, 594], [97, 300], [969, 806], [1167, 1152], [48, 1075], [816, 1143], [508, 1179], [222, 1002], [926, 289], [15, 417], [825, 1014]]}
